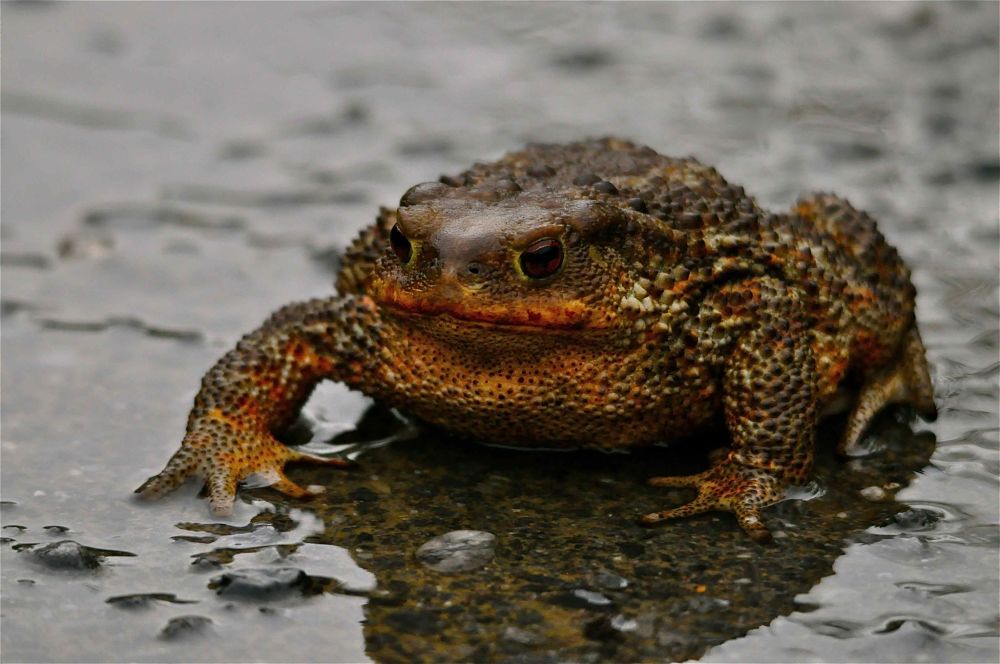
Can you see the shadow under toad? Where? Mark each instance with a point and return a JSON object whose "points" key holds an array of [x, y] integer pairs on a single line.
{"points": [[572, 575]]}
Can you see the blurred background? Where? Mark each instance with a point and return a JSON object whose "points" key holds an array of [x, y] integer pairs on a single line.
{"points": [[173, 172]]}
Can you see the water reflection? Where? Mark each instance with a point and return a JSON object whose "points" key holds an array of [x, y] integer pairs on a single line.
{"points": [[565, 524]]}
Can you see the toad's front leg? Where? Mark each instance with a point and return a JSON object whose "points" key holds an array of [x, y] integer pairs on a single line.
{"points": [[769, 399], [257, 390]]}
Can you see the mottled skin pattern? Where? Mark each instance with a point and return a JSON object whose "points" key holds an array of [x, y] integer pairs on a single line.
{"points": [[677, 304]]}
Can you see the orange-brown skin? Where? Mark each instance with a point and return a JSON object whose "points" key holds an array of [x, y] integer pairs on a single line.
{"points": [[676, 303]]}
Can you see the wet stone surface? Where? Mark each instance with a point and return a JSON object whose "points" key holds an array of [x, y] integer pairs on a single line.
{"points": [[173, 173]]}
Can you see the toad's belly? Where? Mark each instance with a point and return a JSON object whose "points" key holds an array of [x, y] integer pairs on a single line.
{"points": [[540, 390], [558, 425], [551, 409]]}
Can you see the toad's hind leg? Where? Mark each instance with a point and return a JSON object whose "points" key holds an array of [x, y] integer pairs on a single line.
{"points": [[907, 380]]}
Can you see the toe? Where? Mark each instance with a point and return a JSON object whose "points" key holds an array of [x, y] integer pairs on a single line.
{"points": [[290, 488], [751, 521], [680, 481], [221, 492], [696, 506], [177, 470]]}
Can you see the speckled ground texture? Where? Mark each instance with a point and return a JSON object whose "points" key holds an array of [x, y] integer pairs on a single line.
{"points": [[173, 173]]}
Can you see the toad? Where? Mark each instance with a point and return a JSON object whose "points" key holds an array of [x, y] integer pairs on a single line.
{"points": [[592, 294]]}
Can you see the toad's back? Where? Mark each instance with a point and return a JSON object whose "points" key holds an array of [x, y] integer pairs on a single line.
{"points": [[857, 290]]}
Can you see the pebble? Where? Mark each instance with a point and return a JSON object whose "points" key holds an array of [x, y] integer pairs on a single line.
{"points": [[521, 636], [260, 583], [458, 551], [624, 624], [873, 493], [591, 597], [916, 519], [610, 580], [70, 555], [184, 627]]}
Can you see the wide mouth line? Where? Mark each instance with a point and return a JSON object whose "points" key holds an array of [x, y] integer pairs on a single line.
{"points": [[485, 320]]}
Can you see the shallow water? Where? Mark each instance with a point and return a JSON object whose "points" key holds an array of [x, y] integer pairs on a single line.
{"points": [[173, 173]]}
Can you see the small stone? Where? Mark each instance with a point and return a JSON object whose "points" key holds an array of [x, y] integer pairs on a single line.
{"points": [[260, 583], [591, 597], [623, 624], [874, 493], [521, 636], [70, 555], [184, 627], [705, 604], [916, 519], [610, 580], [458, 551]]}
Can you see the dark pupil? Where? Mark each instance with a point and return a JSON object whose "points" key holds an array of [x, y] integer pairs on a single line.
{"points": [[542, 259], [400, 245]]}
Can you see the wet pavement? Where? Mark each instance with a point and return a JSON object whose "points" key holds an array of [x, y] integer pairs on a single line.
{"points": [[173, 173]]}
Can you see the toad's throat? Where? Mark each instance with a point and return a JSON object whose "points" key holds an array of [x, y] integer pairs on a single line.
{"points": [[529, 316]]}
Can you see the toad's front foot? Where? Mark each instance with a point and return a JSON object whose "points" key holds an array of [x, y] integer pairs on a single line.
{"points": [[224, 456], [728, 486]]}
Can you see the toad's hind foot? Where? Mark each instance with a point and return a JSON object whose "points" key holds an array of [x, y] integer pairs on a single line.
{"points": [[728, 486], [908, 381]]}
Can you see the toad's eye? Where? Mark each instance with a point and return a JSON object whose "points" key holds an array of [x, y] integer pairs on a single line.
{"points": [[542, 259], [400, 245]]}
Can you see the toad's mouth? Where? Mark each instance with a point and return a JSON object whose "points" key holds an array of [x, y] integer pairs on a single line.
{"points": [[516, 315]]}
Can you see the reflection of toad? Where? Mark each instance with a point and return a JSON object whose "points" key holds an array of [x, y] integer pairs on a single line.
{"points": [[592, 294]]}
